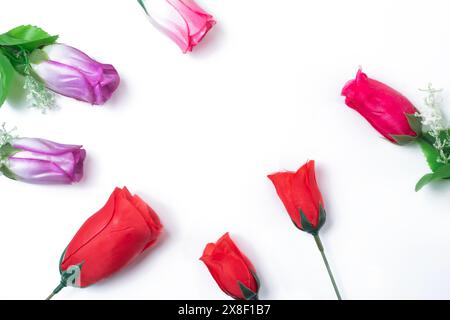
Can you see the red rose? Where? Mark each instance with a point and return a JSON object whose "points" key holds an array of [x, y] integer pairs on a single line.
{"points": [[301, 197], [232, 270], [303, 201], [387, 110], [109, 240]]}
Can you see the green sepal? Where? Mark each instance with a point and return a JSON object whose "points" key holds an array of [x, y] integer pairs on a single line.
{"points": [[6, 77], [38, 56], [61, 259], [307, 225], [441, 173], [247, 293], [27, 37], [7, 150], [70, 277], [141, 2], [7, 173], [414, 123], [322, 217], [258, 282], [403, 139]]}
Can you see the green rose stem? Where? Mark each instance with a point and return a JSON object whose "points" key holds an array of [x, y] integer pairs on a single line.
{"points": [[56, 291], [325, 260]]}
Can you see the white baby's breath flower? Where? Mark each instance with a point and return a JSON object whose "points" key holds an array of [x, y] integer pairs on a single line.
{"points": [[434, 123], [6, 136], [38, 96]]}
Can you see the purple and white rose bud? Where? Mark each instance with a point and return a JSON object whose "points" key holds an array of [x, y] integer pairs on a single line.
{"points": [[41, 161], [70, 72]]}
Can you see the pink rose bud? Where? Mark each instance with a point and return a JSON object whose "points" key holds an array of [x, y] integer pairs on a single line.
{"points": [[181, 20], [387, 110]]}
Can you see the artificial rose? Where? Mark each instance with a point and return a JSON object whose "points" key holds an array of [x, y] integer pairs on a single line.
{"points": [[41, 161], [182, 20], [232, 270], [301, 196], [109, 240], [387, 110], [70, 72]]}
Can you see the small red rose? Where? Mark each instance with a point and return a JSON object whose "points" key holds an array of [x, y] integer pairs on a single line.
{"points": [[303, 201], [232, 270], [301, 196]]}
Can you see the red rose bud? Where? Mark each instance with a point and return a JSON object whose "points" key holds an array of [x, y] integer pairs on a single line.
{"points": [[387, 110], [232, 270], [301, 197], [109, 240], [303, 201]]}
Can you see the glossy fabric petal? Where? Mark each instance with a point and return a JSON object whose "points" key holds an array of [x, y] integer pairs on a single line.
{"points": [[300, 191], [181, 20], [72, 73], [382, 106], [42, 161], [228, 265], [112, 238]]}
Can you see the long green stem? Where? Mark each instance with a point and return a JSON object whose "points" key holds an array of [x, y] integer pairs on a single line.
{"points": [[325, 260], [56, 291]]}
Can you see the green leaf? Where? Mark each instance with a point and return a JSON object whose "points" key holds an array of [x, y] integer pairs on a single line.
{"points": [[247, 293], [27, 37], [430, 153], [441, 173], [18, 58], [6, 77]]}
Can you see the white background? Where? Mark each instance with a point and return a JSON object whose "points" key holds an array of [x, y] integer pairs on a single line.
{"points": [[195, 135]]}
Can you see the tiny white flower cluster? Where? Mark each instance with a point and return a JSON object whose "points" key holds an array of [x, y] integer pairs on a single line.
{"points": [[6, 136], [434, 123], [38, 95]]}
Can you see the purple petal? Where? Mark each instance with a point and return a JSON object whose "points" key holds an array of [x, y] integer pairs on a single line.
{"points": [[38, 171], [43, 146], [65, 80], [72, 73], [42, 161]]}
